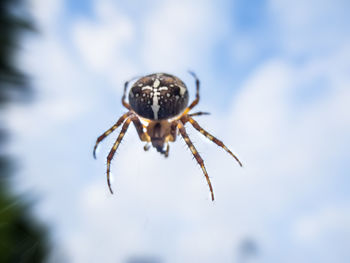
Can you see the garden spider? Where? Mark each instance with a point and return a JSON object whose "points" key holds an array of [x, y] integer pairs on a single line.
{"points": [[160, 101]]}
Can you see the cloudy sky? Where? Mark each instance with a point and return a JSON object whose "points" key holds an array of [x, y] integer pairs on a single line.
{"points": [[275, 76]]}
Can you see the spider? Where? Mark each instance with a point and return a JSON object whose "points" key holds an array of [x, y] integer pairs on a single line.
{"points": [[160, 100]]}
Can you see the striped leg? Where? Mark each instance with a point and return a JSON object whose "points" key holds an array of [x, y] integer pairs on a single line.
{"points": [[125, 104], [114, 148], [199, 113], [108, 132], [173, 131], [212, 138], [166, 153], [196, 155], [146, 147], [139, 128], [195, 102]]}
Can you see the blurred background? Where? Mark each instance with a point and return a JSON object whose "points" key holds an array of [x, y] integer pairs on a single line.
{"points": [[275, 77]]}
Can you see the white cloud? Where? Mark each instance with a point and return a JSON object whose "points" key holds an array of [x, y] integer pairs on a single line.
{"points": [[310, 27], [323, 225], [176, 34], [52, 70], [162, 206], [170, 36], [101, 43], [290, 148], [46, 13], [324, 233]]}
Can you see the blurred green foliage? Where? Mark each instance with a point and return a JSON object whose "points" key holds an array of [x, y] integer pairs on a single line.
{"points": [[12, 26], [22, 238]]}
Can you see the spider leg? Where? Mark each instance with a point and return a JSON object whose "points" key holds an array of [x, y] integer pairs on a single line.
{"points": [[199, 113], [109, 131], [125, 104], [211, 137], [114, 148], [139, 128], [196, 155], [126, 84], [195, 102], [146, 147], [167, 150]]}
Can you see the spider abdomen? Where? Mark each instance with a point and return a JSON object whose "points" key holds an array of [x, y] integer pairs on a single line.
{"points": [[158, 96]]}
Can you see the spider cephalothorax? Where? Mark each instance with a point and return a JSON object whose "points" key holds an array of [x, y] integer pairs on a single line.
{"points": [[160, 100]]}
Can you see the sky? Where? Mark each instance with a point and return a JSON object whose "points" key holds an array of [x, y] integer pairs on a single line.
{"points": [[275, 76]]}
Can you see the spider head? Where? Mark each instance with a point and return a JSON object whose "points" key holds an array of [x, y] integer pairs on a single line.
{"points": [[159, 132], [158, 96], [158, 143]]}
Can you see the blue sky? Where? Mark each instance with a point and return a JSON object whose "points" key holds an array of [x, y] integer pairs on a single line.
{"points": [[275, 77]]}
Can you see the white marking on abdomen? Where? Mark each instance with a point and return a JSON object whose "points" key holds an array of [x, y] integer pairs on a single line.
{"points": [[182, 90], [155, 106], [163, 88], [147, 87], [156, 83]]}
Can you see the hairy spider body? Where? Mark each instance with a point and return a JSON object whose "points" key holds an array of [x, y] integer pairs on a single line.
{"points": [[158, 96], [160, 100]]}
